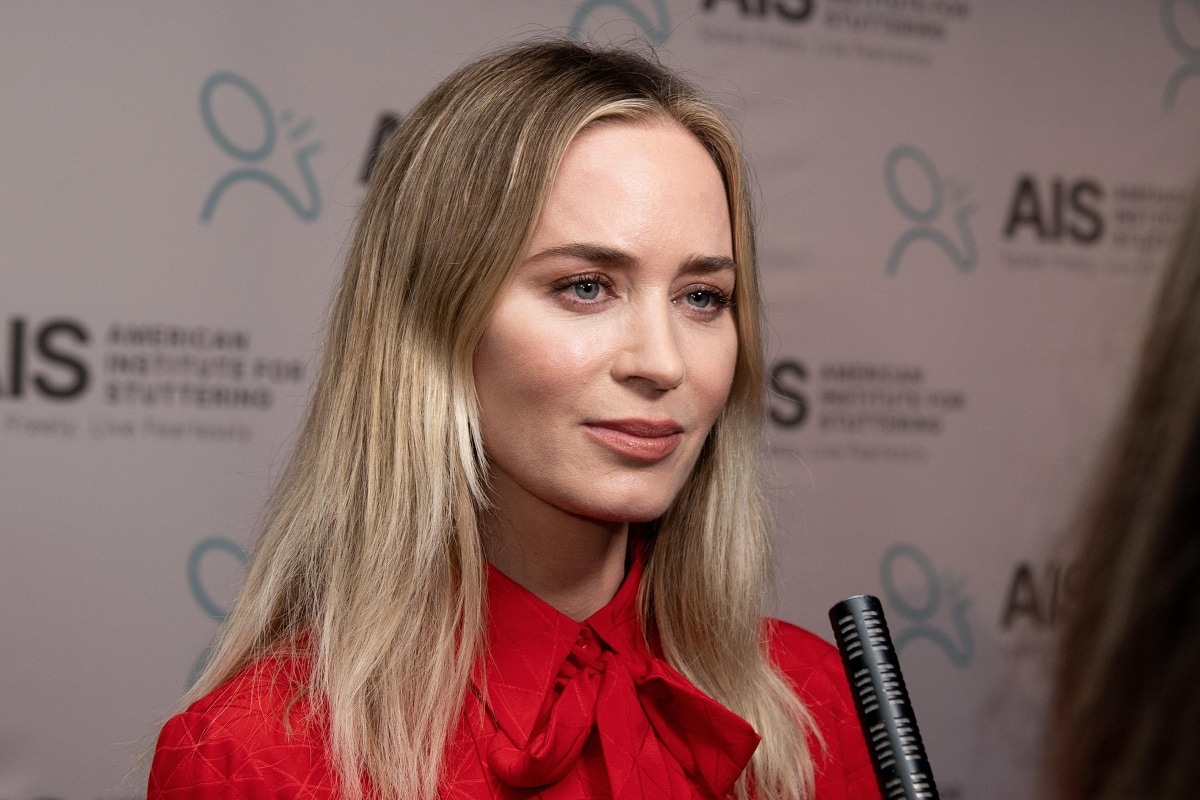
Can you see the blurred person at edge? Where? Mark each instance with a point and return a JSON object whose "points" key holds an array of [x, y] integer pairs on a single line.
{"points": [[520, 550], [1126, 710]]}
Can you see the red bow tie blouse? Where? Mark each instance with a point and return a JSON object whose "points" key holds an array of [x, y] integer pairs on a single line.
{"points": [[572, 711]]}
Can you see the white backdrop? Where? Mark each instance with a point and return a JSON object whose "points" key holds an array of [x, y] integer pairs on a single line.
{"points": [[965, 205]]}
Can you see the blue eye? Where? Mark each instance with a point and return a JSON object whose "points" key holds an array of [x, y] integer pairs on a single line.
{"points": [[587, 290], [700, 299]]}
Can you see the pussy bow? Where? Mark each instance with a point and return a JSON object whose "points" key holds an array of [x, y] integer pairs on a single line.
{"points": [[551, 683]]}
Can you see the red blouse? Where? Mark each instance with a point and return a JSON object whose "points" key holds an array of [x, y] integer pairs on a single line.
{"points": [[573, 711]]}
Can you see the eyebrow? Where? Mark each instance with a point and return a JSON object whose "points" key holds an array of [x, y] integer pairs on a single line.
{"points": [[611, 256]]}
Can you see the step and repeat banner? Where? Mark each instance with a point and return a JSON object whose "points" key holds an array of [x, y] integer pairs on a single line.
{"points": [[965, 206]]}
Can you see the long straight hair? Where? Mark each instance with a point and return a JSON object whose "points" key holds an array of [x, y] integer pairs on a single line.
{"points": [[1126, 713], [371, 553]]}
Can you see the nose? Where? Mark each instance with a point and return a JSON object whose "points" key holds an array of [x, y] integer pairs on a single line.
{"points": [[650, 354]]}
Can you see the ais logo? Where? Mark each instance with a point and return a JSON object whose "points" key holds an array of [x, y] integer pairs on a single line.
{"points": [[1189, 52], [385, 128], [1058, 210], [789, 403], [206, 596], [919, 192], [44, 359], [1038, 594], [933, 607], [794, 11], [651, 17], [306, 202]]}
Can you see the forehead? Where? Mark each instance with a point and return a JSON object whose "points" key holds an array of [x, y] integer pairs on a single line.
{"points": [[648, 142], [638, 185]]}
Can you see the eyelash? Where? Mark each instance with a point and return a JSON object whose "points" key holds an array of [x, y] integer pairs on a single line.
{"points": [[721, 300], [575, 280]]}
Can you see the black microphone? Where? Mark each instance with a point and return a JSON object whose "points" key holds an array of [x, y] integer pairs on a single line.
{"points": [[884, 711]]}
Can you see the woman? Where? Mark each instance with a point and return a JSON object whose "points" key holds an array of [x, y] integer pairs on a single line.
{"points": [[1126, 718], [520, 549]]}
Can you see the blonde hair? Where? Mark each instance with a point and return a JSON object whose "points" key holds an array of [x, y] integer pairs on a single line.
{"points": [[371, 556]]}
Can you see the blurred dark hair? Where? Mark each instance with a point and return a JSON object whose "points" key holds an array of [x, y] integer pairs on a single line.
{"points": [[1126, 714]]}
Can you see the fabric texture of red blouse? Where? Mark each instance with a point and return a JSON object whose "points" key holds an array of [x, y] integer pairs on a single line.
{"points": [[573, 711]]}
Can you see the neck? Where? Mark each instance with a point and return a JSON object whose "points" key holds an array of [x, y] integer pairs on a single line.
{"points": [[573, 563]]}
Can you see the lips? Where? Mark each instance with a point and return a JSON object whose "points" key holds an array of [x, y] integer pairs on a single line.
{"points": [[637, 439]]}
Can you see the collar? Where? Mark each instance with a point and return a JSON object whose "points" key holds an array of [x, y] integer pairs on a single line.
{"points": [[528, 641], [599, 675]]}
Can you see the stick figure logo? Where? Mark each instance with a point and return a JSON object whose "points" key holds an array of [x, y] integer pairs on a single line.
{"points": [[1189, 52], [201, 593], [307, 209], [657, 29], [959, 643], [965, 256]]}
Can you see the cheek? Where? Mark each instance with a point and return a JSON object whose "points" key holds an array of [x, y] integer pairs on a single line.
{"points": [[524, 368], [711, 368]]}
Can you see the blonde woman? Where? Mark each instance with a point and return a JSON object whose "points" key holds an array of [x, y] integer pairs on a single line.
{"points": [[520, 549]]}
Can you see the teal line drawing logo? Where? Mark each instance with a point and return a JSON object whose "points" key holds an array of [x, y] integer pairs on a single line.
{"points": [[201, 595], [959, 643], [657, 30], [1187, 51], [306, 209], [965, 256]]}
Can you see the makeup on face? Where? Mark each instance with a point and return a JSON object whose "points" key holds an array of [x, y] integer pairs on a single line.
{"points": [[611, 350], [637, 439]]}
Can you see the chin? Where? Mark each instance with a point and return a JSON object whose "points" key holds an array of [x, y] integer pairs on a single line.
{"points": [[631, 518], [626, 507]]}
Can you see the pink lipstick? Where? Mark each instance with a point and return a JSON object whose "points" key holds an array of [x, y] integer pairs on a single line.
{"points": [[637, 439]]}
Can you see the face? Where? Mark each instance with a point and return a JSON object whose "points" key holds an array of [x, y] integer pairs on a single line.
{"points": [[612, 348]]}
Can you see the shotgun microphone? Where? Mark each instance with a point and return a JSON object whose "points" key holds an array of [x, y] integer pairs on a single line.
{"points": [[884, 711]]}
